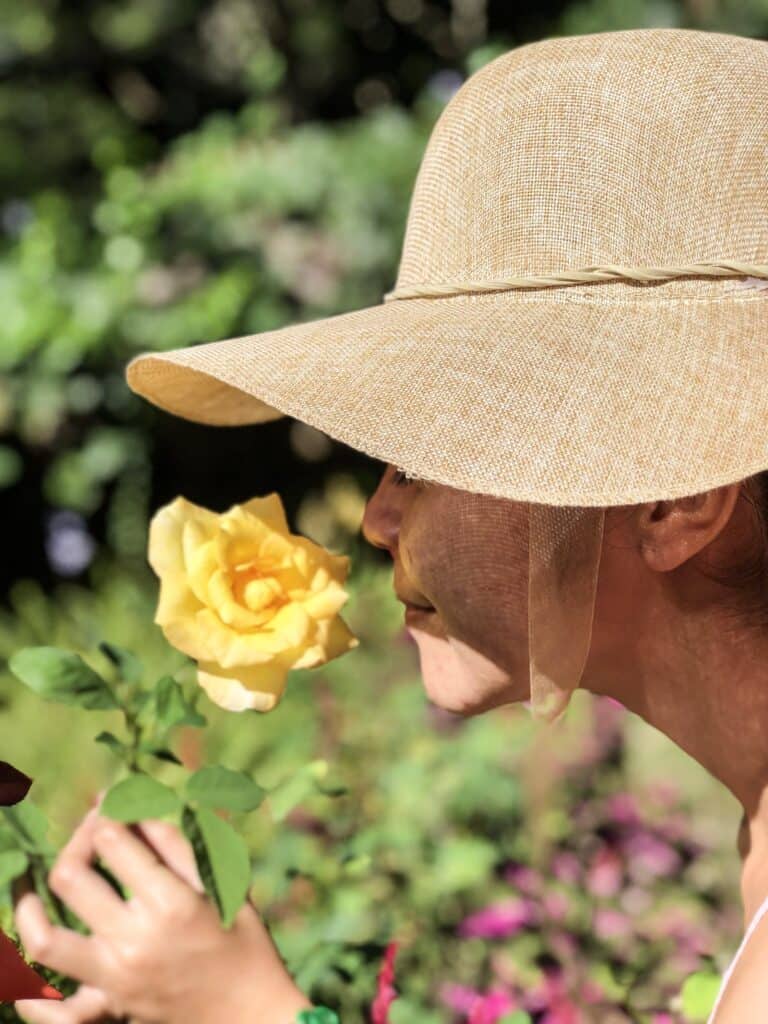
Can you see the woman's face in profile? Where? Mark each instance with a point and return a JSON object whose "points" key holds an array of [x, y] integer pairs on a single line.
{"points": [[465, 556]]}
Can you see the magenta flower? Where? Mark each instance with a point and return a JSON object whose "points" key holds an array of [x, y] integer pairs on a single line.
{"points": [[489, 1008], [499, 920], [386, 992]]}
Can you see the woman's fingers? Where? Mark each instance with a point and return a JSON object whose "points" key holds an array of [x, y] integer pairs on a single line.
{"points": [[73, 879], [134, 864], [59, 948], [173, 848], [87, 1006]]}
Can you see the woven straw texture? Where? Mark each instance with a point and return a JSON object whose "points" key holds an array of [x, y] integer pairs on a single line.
{"points": [[642, 148]]}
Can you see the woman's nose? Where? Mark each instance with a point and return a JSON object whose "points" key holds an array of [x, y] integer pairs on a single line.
{"points": [[381, 519]]}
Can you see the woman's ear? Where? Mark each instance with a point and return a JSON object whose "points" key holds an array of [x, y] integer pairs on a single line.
{"points": [[673, 531]]}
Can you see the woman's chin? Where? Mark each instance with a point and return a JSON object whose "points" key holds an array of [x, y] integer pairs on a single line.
{"points": [[457, 678]]}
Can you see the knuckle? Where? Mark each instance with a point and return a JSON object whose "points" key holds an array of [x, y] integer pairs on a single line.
{"points": [[106, 831], [38, 946], [181, 911], [132, 955], [62, 876]]}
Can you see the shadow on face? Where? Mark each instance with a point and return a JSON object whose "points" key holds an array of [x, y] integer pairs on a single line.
{"points": [[464, 557]]}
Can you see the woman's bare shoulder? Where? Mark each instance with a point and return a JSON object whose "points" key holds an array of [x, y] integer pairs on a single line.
{"points": [[745, 999]]}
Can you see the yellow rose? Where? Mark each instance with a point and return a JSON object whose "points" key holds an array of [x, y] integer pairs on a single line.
{"points": [[245, 598]]}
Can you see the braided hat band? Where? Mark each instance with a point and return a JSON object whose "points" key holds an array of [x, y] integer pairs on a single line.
{"points": [[587, 275]]}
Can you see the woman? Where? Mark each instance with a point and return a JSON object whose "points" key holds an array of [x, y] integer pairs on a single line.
{"points": [[572, 371]]}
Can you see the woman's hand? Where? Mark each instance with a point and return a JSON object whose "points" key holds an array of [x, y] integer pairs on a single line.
{"points": [[160, 957]]}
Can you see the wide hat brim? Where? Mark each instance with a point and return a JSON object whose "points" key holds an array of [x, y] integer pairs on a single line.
{"points": [[551, 400]]}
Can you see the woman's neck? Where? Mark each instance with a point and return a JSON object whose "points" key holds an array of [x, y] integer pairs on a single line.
{"points": [[705, 686]]}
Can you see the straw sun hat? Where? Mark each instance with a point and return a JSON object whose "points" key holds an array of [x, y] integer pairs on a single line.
{"points": [[580, 317]]}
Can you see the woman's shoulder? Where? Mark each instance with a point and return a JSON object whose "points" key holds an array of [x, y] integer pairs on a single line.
{"points": [[744, 997]]}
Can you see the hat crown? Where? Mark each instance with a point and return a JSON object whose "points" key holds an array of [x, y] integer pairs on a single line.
{"points": [[644, 147]]}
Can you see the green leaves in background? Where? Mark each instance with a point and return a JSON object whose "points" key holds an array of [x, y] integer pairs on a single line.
{"points": [[126, 662], [138, 797], [62, 676], [167, 706], [216, 786], [13, 863], [698, 995], [28, 826], [222, 859]]}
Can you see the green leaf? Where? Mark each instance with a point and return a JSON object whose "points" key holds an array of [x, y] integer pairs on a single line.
{"points": [[336, 790], [699, 993], [12, 864], [162, 752], [222, 859], [62, 676], [516, 1017], [318, 1015], [30, 826], [216, 786], [126, 662], [167, 705], [115, 745], [139, 797]]}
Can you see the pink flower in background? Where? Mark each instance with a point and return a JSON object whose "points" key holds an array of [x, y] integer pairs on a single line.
{"points": [[385, 989], [562, 1012], [649, 857], [591, 992], [563, 945], [551, 996], [605, 873], [499, 920], [523, 878], [556, 905], [611, 924], [675, 828], [566, 867], [491, 1007], [460, 998], [622, 808]]}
